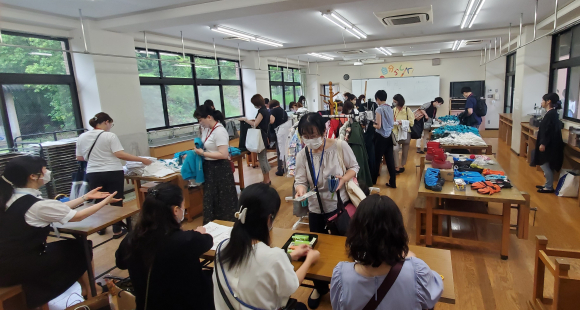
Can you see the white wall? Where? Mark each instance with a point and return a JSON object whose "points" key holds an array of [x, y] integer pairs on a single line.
{"points": [[531, 81], [454, 67], [494, 84]]}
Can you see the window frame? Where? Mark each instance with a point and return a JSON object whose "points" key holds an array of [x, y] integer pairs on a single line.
{"points": [[42, 79], [194, 82], [563, 64], [509, 75], [283, 83]]}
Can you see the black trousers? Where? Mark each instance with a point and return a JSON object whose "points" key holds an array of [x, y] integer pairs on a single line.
{"points": [[111, 181], [384, 147], [317, 223]]}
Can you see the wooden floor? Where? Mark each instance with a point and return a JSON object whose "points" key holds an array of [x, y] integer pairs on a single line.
{"points": [[482, 279]]}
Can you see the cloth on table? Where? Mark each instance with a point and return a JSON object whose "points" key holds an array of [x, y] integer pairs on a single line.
{"points": [[172, 164], [135, 168], [464, 139], [157, 169], [469, 176], [234, 151], [449, 120], [357, 144], [403, 130], [442, 131], [433, 180]]}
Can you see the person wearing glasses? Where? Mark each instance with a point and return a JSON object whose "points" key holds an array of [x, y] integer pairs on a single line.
{"points": [[103, 152]]}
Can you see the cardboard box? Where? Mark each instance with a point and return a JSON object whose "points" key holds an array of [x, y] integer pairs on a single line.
{"points": [[447, 174]]}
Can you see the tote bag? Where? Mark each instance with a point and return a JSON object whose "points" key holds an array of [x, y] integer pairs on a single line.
{"points": [[254, 142], [568, 184], [354, 192]]}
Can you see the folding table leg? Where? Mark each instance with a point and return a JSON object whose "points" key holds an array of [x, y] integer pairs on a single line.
{"points": [[505, 232]]}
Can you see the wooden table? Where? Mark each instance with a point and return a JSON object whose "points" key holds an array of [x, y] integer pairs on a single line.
{"points": [[505, 127], [104, 218], [332, 251], [507, 197], [239, 160], [474, 149]]}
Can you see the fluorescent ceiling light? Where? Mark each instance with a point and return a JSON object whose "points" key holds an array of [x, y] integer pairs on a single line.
{"points": [[352, 33], [462, 43], [427, 52], [40, 54], [476, 12], [323, 56], [358, 63], [455, 46], [384, 51], [341, 19], [246, 36], [473, 8], [344, 24]]}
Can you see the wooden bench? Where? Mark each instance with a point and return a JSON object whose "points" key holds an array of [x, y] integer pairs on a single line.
{"points": [[12, 298], [566, 289]]}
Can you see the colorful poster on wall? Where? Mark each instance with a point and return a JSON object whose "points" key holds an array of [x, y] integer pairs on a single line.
{"points": [[397, 69]]}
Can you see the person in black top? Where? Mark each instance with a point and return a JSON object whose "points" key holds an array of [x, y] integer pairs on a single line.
{"points": [[278, 117], [549, 153], [163, 260], [262, 122], [429, 111], [209, 103]]}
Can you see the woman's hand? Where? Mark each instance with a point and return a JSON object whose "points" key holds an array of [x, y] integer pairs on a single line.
{"points": [[146, 161], [111, 198], [95, 194], [312, 256], [199, 151], [300, 191], [201, 230], [300, 251], [542, 147], [341, 182]]}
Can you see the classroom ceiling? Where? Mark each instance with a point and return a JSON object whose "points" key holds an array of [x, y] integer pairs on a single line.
{"points": [[298, 23]]}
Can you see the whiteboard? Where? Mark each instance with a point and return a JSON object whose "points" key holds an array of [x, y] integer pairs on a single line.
{"points": [[416, 90]]}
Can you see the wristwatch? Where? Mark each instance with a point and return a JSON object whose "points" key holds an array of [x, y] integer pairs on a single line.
{"points": [[84, 199]]}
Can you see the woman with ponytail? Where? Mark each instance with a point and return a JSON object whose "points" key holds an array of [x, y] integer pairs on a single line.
{"points": [[258, 275], [549, 153], [220, 197], [102, 151], [45, 270], [158, 253]]}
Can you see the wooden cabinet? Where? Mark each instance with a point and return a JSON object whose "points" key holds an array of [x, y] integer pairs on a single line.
{"points": [[167, 151]]}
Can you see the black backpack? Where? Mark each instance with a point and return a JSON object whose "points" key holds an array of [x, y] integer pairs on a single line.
{"points": [[480, 108]]}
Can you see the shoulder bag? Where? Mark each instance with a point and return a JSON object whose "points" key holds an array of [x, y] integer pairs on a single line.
{"points": [[92, 146], [289, 306], [354, 192], [309, 162], [385, 286]]}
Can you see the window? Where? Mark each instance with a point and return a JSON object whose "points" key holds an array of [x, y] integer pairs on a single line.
{"points": [[37, 90], [510, 78], [565, 71], [172, 88], [285, 85]]}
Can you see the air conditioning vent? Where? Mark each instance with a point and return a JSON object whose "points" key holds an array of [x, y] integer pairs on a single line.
{"points": [[406, 17], [351, 52]]}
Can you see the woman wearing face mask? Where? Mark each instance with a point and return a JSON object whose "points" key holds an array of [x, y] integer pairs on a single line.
{"points": [[429, 111], [549, 153], [102, 151], [402, 113], [45, 270], [158, 253], [324, 157], [251, 273], [220, 197]]}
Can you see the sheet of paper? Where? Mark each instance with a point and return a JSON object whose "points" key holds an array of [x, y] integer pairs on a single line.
{"points": [[218, 232]]}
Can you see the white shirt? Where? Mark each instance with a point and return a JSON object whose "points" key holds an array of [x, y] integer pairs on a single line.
{"points": [[218, 137], [266, 280], [102, 158], [45, 212]]}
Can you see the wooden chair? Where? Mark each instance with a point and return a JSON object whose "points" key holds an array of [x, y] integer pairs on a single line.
{"points": [[12, 298], [566, 289]]}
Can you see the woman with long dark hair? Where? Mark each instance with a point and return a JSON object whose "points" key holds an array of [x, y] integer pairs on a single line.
{"points": [[220, 197], [163, 260], [102, 151], [45, 270], [549, 153], [247, 267], [378, 243]]}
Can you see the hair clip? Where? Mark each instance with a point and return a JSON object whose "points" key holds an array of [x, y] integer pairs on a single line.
{"points": [[95, 118], [241, 215], [154, 193], [5, 179]]}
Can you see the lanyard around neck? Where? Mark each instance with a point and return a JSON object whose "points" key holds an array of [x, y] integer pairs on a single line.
{"points": [[214, 127], [316, 176]]}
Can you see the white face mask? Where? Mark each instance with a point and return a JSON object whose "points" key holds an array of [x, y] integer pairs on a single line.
{"points": [[182, 215], [313, 144], [46, 177]]}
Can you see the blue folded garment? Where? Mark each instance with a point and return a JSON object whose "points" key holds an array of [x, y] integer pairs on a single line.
{"points": [[431, 176], [234, 151], [469, 177], [192, 165]]}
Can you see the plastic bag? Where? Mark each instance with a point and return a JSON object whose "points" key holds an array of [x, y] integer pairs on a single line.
{"points": [[568, 184], [254, 142]]}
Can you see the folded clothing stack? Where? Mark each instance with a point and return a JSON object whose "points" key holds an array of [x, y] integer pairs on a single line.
{"points": [[486, 187], [469, 177], [466, 165], [449, 120], [489, 171], [462, 139], [135, 168], [445, 130], [433, 180]]}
